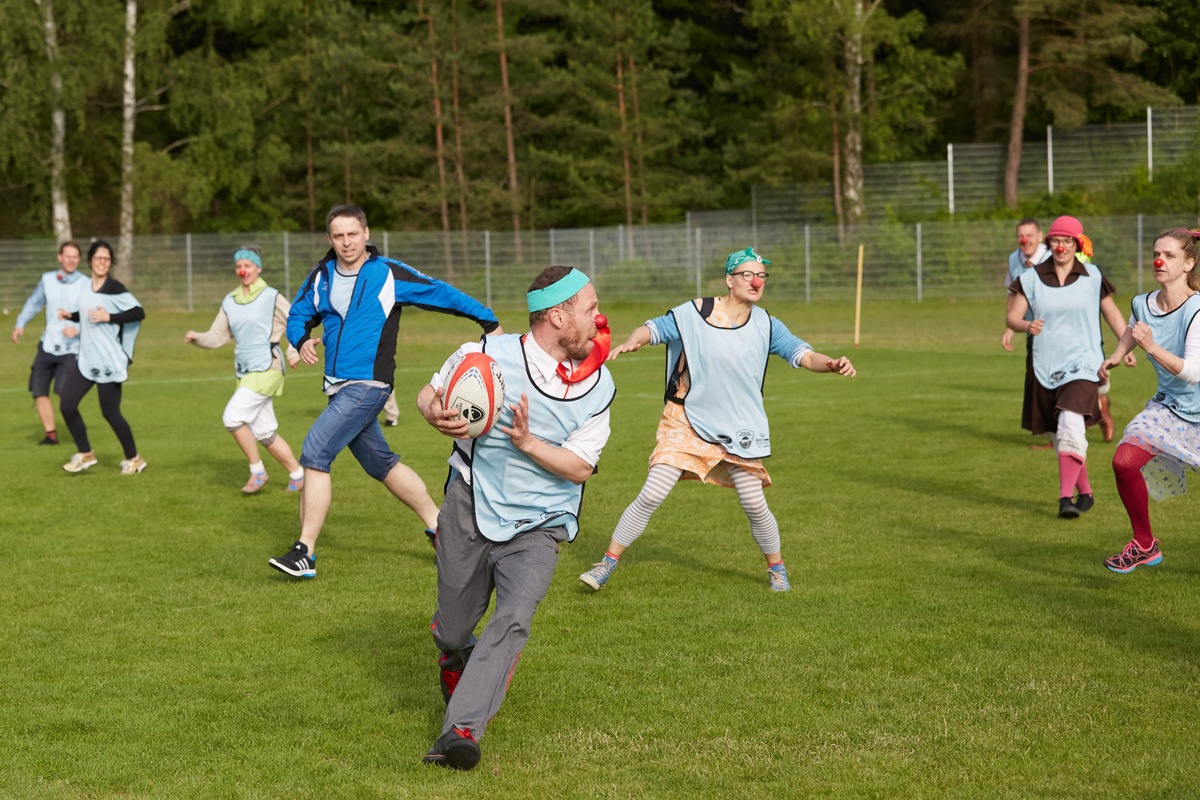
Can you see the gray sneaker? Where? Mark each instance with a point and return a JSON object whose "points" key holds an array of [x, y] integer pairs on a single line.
{"points": [[598, 575], [777, 573]]}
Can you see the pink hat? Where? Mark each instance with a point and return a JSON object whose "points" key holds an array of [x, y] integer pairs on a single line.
{"points": [[1065, 226]]}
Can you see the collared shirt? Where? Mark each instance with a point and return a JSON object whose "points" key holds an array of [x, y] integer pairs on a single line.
{"points": [[586, 441], [1047, 275], [1018, 263]]}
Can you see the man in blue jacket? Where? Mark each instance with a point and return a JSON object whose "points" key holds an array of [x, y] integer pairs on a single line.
{"points": [[357, 296]]}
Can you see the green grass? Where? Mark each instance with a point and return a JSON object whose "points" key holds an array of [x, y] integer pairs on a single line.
{"points": [[947, 635]]}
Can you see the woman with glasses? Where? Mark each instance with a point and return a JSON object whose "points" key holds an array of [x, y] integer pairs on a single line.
{"points": [[109, 318], [1067, 297], [714, 427]]}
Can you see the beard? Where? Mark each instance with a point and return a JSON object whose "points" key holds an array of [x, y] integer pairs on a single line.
{"points": [[577, 349]]}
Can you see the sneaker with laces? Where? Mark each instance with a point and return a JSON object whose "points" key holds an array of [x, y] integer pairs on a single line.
{"points": [[295, 484], [1067, 508], [600, 572], [1083, 502], [297, 562], [81, 461], [456, 749], [257, 479], [132, 466], [777, 574], [1133, 557], [449, 679]]}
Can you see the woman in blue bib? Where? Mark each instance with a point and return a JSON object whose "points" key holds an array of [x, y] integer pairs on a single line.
{"points": [[1067, 298], [714, 427], [1163, 441]]}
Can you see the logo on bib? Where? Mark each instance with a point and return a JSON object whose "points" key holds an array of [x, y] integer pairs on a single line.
{"points": [[744, 438]]}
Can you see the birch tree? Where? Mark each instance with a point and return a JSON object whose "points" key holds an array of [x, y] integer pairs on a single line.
{"points": [[60, 211], [123, 269]]}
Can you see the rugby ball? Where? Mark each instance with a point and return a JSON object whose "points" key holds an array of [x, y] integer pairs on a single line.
{"points": [[476, 391]]}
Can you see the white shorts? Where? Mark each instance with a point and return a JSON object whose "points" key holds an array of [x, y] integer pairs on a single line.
{"points": [[255, 411]]}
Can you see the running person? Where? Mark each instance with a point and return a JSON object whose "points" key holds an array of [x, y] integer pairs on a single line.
{"points": [[1162, 441], [1067, 297], [356, 295], [109, 318], [513, 496], [714, 427], [1030, 250], [255, 316], [56, 352]]}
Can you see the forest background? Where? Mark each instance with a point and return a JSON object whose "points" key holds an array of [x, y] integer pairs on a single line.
{"points": [[168, 116]]}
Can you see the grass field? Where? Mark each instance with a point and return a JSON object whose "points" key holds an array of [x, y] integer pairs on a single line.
{"points": [[947, 635]]}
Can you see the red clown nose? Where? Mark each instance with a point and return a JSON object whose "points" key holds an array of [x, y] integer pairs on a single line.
{"points": [[243, 273], [601, 321], [756, 283], [1158, 262], [1060, 249]]}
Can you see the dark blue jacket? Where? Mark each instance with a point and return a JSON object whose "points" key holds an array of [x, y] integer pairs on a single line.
{"points": [[362, 346]]}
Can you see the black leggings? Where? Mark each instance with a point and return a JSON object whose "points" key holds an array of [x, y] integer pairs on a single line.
{"points": [[76, 386]]}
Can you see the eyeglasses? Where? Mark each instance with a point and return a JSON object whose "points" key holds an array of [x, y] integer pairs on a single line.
{"points": [[748, 276], [1056, 241], [101, 259]]}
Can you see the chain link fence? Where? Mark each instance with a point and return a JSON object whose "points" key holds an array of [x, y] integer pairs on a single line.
{"points": [[660, 264]]}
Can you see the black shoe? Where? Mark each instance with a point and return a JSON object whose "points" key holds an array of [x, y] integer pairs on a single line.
{"points": [[51, 438], [1084, 501], [456, 749], [296, 562], [1067, 508], [449, 681]]}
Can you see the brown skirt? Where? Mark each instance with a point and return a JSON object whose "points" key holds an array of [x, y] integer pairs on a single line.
{"points": [[1082, 397]]}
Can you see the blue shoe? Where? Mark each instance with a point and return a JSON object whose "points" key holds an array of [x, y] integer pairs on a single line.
{"points": [[777, 573], [297, 562], [432, 536], [598, 575]]}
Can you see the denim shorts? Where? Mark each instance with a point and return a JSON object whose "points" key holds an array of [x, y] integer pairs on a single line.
{"points": [[351, 420]]}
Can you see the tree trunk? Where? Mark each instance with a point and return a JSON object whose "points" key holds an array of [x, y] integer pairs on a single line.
{"points": [[853, 50], [1016, 131], [310, 178], [440, 142], [123, 269], [346, 146], [459, 169], [60, 211], [625, 154], [514, 191], [837, 182], [641, 146]]}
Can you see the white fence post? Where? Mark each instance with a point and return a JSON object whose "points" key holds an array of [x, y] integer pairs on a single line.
{"points": [[1050, 157], [287, 267], [1139, 254], [950, 174], [1149, 144], [487, 266], [920, 290], [592, 253], [807, 265], [188, 240], [698, 262]]}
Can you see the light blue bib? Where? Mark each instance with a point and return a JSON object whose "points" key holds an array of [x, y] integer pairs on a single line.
{"points": [[512, 493], [1170, 331], [1068, 348], [251, 326], [105, 349], [62, 294], [724, 403]]}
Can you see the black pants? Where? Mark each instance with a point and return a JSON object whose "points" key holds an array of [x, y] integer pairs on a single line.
{"points": [[76, 386]]}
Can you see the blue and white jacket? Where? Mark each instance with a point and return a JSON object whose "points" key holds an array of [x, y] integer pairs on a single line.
{"points": [[362, 345]]}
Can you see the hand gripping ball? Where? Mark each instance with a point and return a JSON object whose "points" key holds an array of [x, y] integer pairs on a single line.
{"points": [[476, 391]]}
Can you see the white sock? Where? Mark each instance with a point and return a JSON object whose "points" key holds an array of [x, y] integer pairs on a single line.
{"points": [[258, 469], [297, 475]]}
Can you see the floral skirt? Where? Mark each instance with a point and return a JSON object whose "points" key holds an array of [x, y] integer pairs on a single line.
{"points": [[678, 445], [1175, 444]]}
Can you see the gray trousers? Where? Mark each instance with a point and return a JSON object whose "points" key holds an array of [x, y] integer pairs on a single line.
{"points": [[469, 569]]}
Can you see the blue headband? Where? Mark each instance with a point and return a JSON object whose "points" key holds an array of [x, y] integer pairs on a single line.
{"points": [[560, 291], [249, 255]]}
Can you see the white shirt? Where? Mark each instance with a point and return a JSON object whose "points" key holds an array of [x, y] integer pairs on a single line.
{"points": [[586, 441]]}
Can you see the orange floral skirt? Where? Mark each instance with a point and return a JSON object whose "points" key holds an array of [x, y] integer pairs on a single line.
{"points": [[678, 445]]}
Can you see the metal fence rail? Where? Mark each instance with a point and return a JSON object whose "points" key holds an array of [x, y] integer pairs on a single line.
{"points": [[658, 264]]}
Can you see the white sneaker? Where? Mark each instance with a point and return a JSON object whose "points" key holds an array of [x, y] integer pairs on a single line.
{"points": [[81, 461], [133, 465]]}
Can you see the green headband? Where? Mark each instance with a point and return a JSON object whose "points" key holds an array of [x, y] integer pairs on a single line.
{"points": [[560, 291]]}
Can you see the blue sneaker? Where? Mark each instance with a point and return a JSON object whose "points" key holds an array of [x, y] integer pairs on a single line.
{"points": [[431, 535], [297, 562], [777, 573], [598, 575]]}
